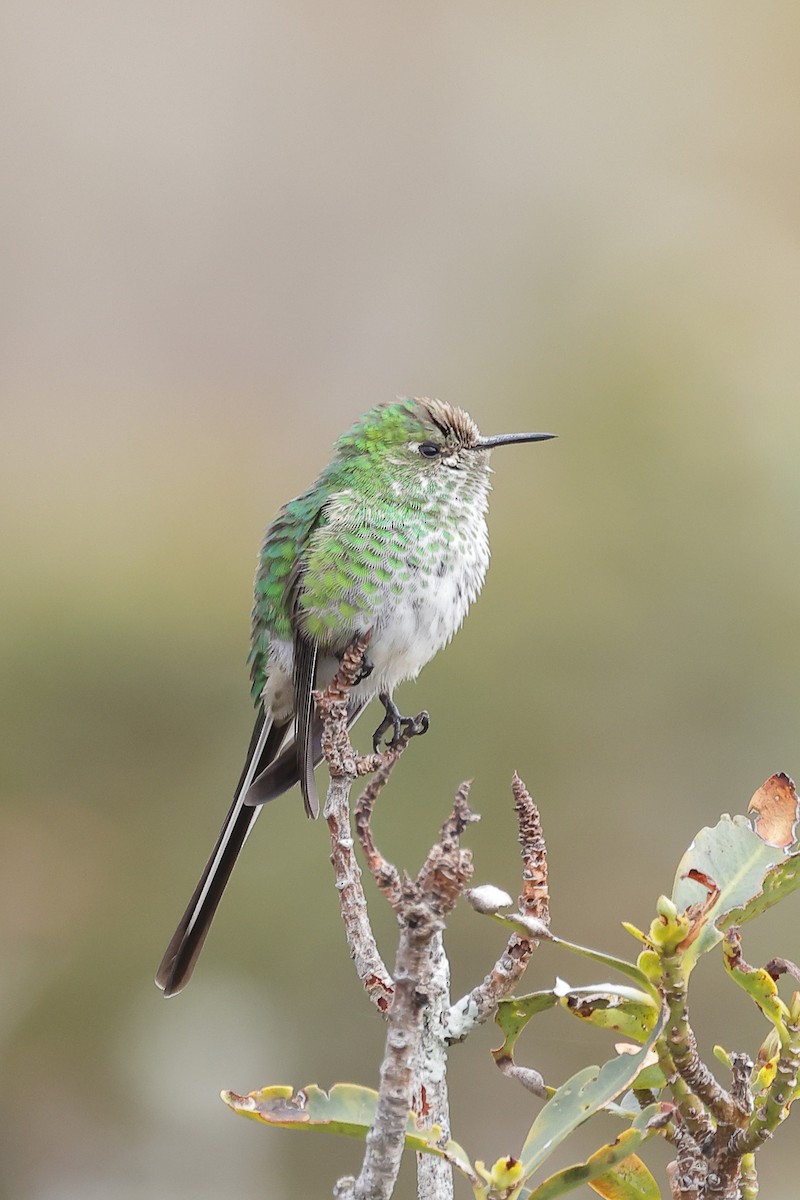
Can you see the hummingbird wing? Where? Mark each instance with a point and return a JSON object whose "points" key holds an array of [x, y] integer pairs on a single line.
{"points": [[302, 752], [179, 959]]}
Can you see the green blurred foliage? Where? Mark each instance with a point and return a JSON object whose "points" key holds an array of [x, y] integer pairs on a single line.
{"points": [[231, 229]]}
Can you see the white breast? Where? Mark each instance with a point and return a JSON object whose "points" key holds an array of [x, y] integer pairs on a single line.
{"points": [[414, 626]]}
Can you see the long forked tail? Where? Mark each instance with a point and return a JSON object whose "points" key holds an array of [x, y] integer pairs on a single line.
{"points": [[271, 768], [175, 969]]}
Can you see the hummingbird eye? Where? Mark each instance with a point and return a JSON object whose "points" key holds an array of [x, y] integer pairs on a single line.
{"points": [[429, 449]]}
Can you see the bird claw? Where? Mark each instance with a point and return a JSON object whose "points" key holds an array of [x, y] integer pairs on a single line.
{"points": [[416, 726], [365, 669], [399, 725]]}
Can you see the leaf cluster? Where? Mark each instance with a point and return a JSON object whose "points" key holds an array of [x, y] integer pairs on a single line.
{"points": [[656, 1084]]}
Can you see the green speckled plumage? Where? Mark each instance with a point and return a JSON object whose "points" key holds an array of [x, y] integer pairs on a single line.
{"points": [[354, 534], [282, 547]]}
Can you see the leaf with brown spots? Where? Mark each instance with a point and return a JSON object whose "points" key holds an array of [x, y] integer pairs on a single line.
{"points": [[776, 808]]}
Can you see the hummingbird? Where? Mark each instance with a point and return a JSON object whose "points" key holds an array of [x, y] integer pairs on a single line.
{"points": [[390, 540]]}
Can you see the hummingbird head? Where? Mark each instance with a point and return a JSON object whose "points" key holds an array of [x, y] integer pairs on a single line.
{"points": [[456, 433], [425, 438]]}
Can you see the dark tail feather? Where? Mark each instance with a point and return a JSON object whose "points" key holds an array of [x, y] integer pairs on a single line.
{"points": [[282, 773], [271, 768], [181, 954], [304, 678]]}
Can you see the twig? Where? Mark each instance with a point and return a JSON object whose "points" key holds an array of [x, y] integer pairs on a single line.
{"points": [[332, 707], [386, 876], [741, 1088], [370, 967], [481, 1003], [344, 766]]}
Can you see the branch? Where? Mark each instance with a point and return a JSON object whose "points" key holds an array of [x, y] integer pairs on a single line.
{"points": [[421, 906], [386, 1138], [682, 1048]]}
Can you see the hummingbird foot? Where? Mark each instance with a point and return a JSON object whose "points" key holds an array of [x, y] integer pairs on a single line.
{"points": [[365, 667], [399, 725]]}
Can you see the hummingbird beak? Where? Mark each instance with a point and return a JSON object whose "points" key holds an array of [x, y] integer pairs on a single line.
{"points": [[507, 439]]}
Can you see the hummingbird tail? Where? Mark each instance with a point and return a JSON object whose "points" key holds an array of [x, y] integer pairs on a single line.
{"points": [[271, 768], [282, 772], [175, 969]]}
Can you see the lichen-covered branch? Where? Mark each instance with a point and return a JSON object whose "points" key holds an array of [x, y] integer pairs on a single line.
{"points": [[431, 1100], [421, 906], [682, 1045], [386, 1139]]}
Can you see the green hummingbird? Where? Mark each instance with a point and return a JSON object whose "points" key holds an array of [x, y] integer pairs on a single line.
{"points": [[391, 539]]}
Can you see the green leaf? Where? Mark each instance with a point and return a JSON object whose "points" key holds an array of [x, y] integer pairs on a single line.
{"points": [[617, 964], [631, 1180], [348, 1109], [758, 983], [750, 875], [623, 1010], [594, 1087], [650, 1079], [584, 1094], [613, 1167], [513, 1015]]}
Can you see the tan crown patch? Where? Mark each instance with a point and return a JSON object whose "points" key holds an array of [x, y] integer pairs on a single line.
{"points": [[453, 422]]}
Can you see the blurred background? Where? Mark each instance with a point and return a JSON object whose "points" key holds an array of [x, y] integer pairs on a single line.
{"points": [[229, 228]]}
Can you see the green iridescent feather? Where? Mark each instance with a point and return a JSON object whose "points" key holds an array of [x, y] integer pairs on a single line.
{"points": [[341, 572]]}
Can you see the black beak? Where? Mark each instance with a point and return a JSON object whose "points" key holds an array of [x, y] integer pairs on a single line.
{"points": [[507, 439]]}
